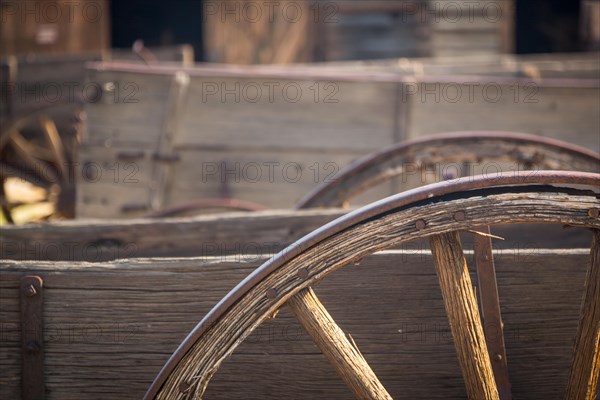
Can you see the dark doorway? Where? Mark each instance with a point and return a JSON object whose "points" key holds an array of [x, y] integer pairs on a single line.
{"points": [[547, 26], [157, 23]]}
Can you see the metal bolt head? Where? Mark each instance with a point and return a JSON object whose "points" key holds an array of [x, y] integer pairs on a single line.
{"points": [[420, 224], [498, 357], [32, 346], [302, 273], [30, 291], [593, 213], [271, 293], [184, 387], [459, 216]]}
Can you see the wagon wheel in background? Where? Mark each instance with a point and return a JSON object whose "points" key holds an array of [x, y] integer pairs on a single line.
{"points": [[558, 197], [464, 149], [203, 206], [39, 148]]}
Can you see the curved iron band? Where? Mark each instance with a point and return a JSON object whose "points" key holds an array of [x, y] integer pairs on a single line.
{"points": [[401, 200], [232, 204], [371, 170]]}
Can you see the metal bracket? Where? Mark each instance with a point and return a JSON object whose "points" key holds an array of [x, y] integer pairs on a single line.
{"points": [[32, 337], [490, 309]]}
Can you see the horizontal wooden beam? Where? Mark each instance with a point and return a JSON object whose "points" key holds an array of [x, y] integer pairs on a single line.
{"points": [[261, 232], [122, 320]]}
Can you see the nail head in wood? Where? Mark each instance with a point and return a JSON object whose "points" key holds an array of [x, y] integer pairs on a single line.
{"points": [[459, 216], [302, 273], [420, 224], [30, 291], [33, 346], [593, 213], [184, 387], [271, 293]]}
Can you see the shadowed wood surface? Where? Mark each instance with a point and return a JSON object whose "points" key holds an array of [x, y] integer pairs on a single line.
{"points": [[209, 235], [585, 368], [463, 314], [246, 234], [342, 354], [109, 327]]}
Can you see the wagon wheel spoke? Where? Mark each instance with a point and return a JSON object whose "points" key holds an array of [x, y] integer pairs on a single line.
{"points": [[585, 365], [463, 315], [490, 310], [56, 145], [25, 151], [4, 203], [343, 355]]}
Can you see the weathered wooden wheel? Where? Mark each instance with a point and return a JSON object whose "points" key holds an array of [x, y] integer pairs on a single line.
{"points": [[39, 150], [438, 212], [451, 155]]}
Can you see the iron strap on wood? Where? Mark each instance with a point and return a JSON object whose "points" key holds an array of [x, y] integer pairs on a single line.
{"points": [[490, 310], [32, 337]]}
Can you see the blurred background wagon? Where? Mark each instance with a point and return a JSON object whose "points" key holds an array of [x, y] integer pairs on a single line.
{"points": [[156, 155]]}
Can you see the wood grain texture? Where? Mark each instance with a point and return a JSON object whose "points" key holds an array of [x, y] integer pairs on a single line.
{"points": [[463, 314], [246, 234], [585, 368], [221, 338], [242, 233], [534, 108], [333, 113], [110, 326], [342, 354]]}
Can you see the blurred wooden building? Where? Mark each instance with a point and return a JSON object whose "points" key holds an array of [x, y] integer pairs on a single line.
{"points": [[55, 27], [288, 31]]}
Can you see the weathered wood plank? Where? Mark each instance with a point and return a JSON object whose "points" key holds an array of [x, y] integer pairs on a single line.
{"points": [[121, 320], [330, 113], [342, 354], [585, 367], [246, 234], [558, 112], [274, 178], [256, 112], [463, 315]]}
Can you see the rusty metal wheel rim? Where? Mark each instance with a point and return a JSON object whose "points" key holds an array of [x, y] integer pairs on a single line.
{"points": [[202, 204], [396, 213], [469, 146]]}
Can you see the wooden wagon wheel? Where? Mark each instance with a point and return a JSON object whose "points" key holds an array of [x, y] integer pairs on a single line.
{"points": [[430, 211], [35, 150], [464, 149], [460, 153]]}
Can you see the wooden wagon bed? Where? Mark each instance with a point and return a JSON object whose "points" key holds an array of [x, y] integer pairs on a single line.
{"points": [[270, 134]]}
